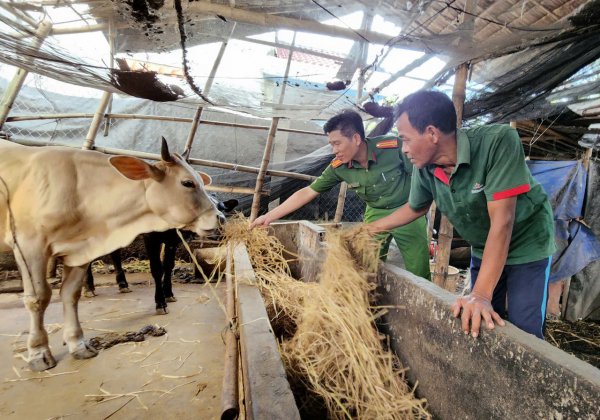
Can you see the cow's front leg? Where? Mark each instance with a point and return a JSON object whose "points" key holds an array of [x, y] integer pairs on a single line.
{"points": [[168, 265], [121, 280], [153, 251], [89, 290], [36, 296], [70, 292]]}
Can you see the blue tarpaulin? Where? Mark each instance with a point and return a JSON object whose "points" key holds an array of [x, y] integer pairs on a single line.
{"points": [[565, 184]]}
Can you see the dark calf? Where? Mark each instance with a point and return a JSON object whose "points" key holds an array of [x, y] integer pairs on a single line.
{"points": [[161, 270]]}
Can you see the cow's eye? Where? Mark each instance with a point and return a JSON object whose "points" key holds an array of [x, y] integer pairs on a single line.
{"points": [[188, 184]]}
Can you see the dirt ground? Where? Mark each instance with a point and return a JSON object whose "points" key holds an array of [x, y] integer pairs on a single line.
{"points": [[177, 376]]}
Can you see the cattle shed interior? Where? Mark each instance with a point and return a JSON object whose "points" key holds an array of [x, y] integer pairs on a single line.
{"points": [[245, 87]]}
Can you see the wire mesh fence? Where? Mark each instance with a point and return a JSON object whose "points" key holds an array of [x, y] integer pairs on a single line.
{"points": [[236, 145]]}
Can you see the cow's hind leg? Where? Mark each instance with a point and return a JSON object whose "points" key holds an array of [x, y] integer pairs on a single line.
{"points": [[88, 285], [168, 265], [36, 296], [121, 280], [70, 292], [153, 250]]}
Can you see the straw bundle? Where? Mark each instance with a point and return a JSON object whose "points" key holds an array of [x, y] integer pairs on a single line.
{"points": [[331, 344]]}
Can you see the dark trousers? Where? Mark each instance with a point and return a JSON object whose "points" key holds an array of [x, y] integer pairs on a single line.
{"points": [[525, 287]]}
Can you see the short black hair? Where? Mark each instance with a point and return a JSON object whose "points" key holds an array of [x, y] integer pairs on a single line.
{"points": [[348, 122], [428, 107]]}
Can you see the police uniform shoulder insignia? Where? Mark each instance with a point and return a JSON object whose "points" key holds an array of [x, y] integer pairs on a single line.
{"points": [[336, 162], [388, 144]]}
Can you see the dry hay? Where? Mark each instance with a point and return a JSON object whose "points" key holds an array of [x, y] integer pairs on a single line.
{"points": [[331, 344], [580, 339]]}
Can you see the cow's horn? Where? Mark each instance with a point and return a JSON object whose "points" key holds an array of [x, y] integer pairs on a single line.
{"points": [[164, 152]]}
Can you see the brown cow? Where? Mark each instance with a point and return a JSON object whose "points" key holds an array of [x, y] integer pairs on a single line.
{"points": [[79, 205]]}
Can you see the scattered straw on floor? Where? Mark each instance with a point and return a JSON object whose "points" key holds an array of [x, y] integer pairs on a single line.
{"points": [[580, 339], [330, 343]]}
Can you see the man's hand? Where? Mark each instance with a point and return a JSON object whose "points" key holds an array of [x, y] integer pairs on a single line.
{"points": [[474, 307], [264, 220]]}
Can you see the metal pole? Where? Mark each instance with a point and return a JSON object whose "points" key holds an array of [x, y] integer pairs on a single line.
{"points": [[17, 82]]}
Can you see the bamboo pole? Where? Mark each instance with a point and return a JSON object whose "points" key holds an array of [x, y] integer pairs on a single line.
{"points": [[280, 22], [263, 169], [586, 158], [400, 73], [19, 15], [91, 135], [17, 82], [193, 129], [152, 156], [207, 87], [339, 211], [442, 261], [156, 118], [431, 222], [111, 45], [233, 190], [260, 19], [230, 407]]}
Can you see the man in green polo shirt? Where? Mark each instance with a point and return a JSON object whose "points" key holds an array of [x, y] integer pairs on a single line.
{"points": [[479, 180], [377, 170]]}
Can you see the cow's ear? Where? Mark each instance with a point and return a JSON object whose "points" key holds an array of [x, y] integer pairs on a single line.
{"points": [[136, 169], [206, 178], [229, 205]]}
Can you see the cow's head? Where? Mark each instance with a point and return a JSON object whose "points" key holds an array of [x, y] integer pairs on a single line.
{"points": [[174, 191]]}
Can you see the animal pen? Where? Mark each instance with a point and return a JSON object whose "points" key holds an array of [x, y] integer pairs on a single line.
{"points": [[244, 87]]}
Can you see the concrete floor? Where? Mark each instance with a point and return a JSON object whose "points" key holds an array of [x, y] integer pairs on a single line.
{"points": [[193, 339]]}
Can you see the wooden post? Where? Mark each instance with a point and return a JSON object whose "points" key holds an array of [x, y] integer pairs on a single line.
{"points": [[586, 158], [91, 135], [263, 169], [17, 82], [339, 211], [207, 86], [431, 222], [445, 235]]}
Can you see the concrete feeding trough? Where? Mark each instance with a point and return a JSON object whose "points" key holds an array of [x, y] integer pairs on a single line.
{"points": [[505, 373]]}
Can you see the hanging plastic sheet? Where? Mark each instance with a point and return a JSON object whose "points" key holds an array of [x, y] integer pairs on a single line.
{"points": [[565, 183], [584, 293]]}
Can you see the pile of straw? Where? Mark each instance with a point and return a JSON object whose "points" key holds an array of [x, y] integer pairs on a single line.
{"points": [[330, 343]]}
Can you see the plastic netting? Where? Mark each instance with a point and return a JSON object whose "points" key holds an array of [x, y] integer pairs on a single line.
{"points": [[302, 153]]}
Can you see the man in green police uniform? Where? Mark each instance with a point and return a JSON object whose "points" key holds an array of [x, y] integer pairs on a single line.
{"points": [[479, 180], [377, 170]]}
